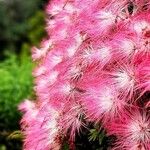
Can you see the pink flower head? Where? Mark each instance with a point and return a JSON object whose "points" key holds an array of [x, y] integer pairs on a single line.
{"points": [[42, 132], [72, 119], [30, 112], [102, 103], [96, 56], [140, 26], [39, 53], [132, 131], [144, 74], [124, 47], [123, 77]]}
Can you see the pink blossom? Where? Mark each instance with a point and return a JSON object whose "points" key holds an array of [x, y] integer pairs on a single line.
{"points": [[42, 132], [30, 112], [102, 103], [39, 53], [144, 74], [132, 131], [123, 77], [72, 119]]}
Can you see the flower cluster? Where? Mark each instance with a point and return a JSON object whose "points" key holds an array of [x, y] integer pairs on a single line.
{"points": [[94, 66]]}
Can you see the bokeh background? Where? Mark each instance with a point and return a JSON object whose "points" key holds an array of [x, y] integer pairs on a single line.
{"points": [[22, 25]]}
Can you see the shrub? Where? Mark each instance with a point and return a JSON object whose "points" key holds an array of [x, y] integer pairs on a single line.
{"points": [[15, 86]]}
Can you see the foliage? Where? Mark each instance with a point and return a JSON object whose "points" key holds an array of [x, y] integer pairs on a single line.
{"points": [[15, 85], [36, 28], [96, 135], [16, 135]]}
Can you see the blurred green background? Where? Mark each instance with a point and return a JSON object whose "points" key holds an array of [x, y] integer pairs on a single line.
{"points": [[21, 26]]}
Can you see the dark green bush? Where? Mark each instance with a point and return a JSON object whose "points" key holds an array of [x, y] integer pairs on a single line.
{"points": [[14, 25]]}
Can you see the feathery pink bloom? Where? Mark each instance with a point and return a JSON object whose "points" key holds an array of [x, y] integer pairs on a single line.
{"points": [[30, 112], [133, 131], [42, 132], [144, 74], [102, 103], [72, 119], [39, 53], [123, 77]]}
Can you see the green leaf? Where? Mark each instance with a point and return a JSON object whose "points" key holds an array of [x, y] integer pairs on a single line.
{"points": [[16, 135]]}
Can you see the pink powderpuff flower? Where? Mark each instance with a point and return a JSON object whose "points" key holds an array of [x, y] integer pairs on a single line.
{"points": [[58, 29], [124, 47], [55, 7], [140, 26], [56, 57], [101, 103], [42, 132], [100, 55], [45, 81], [72, 119], [144, 75], [123, 77], [96, 24], [133, 131], [39, 53], [38, 71], [30, 112], [60, 93]]}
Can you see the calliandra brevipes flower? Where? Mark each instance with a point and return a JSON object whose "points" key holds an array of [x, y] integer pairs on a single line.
{"points": [[45, 119], [133, 131], [72, 119], [144, 74], [93, 67], [102, 102], [30, 111]]}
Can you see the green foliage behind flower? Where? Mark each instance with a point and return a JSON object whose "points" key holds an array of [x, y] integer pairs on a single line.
{"points": [[15, 85], [36, 29]]}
